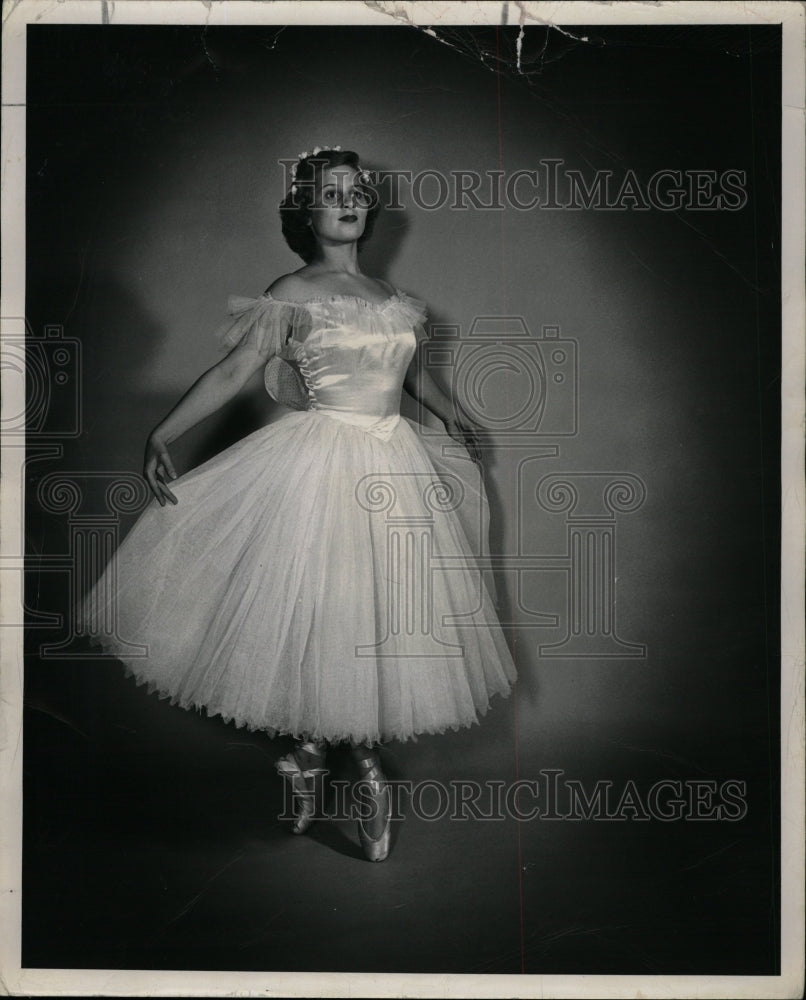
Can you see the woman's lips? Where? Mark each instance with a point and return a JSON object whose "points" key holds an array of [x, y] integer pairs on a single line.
{"points": [[348, 218]]}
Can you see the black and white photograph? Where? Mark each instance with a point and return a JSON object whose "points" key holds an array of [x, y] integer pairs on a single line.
{"points": [[402, 541]]}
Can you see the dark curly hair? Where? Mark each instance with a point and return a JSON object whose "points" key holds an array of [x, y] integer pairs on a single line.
{"points": [[295, 208]]}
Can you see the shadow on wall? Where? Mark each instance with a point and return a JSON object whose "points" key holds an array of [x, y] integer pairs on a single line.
{"points": [[119, 414]]}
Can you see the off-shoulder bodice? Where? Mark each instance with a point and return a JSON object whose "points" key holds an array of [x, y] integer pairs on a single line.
{"points": [[352, 353]]}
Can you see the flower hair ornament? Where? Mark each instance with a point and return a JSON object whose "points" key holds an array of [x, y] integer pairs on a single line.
{"points": [[363, 174]]}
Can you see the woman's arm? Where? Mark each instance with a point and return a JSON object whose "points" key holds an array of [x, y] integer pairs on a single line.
{"points": [[208, 393], [420, 384]]}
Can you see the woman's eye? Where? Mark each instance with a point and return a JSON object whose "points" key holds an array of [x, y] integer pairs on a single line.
{"points": [[362, 197]]}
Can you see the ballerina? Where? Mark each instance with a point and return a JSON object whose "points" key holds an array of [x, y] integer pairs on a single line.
{"points": [[264, 582]]}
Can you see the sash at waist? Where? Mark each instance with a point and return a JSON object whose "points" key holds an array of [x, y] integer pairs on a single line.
{"points": [[379, 427]]}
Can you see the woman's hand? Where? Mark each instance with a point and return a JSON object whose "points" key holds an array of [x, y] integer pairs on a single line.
{"points": [[158, 468], [467, 433]]}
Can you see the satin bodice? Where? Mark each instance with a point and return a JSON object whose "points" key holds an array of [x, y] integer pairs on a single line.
{"points": [[354, 360], [352, 354]]}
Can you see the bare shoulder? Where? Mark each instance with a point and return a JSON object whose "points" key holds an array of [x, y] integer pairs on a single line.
{"points": [[291, 287], [300, 286]]}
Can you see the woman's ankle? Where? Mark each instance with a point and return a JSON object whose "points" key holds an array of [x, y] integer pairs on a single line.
{"points": [[363, 751], [310, 754]]}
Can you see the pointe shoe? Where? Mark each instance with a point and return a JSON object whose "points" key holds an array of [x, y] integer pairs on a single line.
{"points": [[376, 849], [303, 786]]}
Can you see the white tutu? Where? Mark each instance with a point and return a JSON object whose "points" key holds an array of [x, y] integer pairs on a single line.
{"points": [[319, 577]]}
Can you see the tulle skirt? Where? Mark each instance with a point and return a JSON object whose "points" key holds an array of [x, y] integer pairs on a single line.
{"points": [[314, 580]]}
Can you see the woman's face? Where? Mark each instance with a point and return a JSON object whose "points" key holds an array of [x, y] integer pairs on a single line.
{"points": [[339, 210]]}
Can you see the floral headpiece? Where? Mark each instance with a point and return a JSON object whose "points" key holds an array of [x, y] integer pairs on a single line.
{"points": [[363, 174]]}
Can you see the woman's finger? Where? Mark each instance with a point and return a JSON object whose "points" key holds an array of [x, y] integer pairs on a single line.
{"points": [[148, 475], [155, 487], [163, 485], [154, 474], [166, 461], [168, 493]]}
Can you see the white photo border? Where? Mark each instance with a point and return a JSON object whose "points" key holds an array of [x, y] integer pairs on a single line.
{"points": [[17, 14]]}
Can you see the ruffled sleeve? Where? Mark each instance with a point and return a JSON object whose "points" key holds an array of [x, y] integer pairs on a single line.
{"points": [[413, 311], [265, 323]]}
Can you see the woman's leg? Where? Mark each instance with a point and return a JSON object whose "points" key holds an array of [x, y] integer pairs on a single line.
{"points": [[310, 753], [304, 769], [374, 824]]}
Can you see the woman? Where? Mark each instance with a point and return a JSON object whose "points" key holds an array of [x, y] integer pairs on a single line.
{"points": [[269, 583]]}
